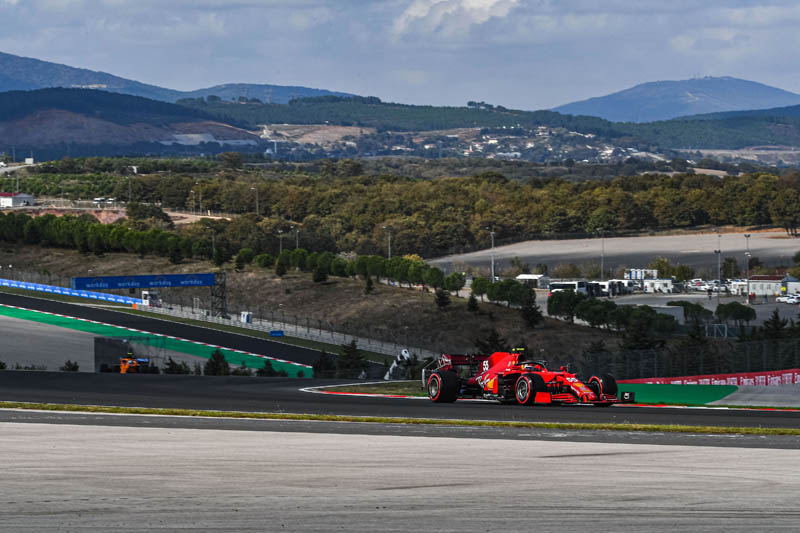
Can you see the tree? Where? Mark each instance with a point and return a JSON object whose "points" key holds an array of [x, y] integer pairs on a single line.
{"points": [[320, 274], [566, 271], [70, 366], [442, 298], [173, 367], [472, 304], [563, 304], [479, 286], [774, 327], [493, 342], [267, 371], [231, 159], [280, 269], [529, 311], [454, 282], [368, 285], [351, 362], [730, 268], [324, 366], [217, 365]]}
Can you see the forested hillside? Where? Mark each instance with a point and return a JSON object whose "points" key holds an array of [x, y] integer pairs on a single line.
{"points": [[116, 108], [340, 209]]}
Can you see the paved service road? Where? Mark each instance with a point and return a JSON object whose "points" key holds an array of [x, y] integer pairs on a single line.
{"points": [[75, 478], [695, 250], [277, 395], [154, 325]]}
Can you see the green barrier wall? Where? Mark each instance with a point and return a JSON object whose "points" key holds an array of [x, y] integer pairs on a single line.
{"points": [[678, 394], [177, 345]]}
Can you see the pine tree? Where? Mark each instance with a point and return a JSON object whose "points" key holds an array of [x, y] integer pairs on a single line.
{"points": [[351, 361], [530, 312], [324, 366], [217, 365], [492, 343]]}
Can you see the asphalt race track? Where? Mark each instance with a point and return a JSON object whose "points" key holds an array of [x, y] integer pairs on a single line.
{"points": [[281, 395], [257, 345]]}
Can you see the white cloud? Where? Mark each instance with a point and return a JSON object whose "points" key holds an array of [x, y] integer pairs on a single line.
{"points": [[450, 18]]}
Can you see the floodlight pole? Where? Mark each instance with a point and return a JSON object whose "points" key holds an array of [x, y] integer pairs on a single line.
{"points": [[747, 265], [718, 251], [491, 233]]}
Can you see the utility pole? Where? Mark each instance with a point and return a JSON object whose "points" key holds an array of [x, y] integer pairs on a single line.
{"points": [[747, 264], [255, 189], [389, 232], [602, 256], [491, 233], [718, 251]]}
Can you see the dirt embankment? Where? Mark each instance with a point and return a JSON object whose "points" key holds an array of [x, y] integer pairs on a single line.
{"points": [[390, 313]]}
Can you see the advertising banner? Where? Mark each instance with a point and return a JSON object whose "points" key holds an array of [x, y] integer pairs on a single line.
{"points": [[143, 282], [52, 289], [765, 378]]}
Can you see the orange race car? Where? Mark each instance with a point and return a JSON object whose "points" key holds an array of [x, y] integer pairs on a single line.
{"points": [[510, 377]]}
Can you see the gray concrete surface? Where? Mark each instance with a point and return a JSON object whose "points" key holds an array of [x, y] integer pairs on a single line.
{"points": [[79, 478], [696, 250], [776, 396], [31, 343]]}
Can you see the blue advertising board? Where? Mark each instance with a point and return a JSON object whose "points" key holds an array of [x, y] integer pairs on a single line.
{"points": [[143, 282], [53, 289]]}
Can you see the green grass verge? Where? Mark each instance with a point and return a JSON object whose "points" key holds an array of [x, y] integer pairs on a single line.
{"points": [[649, 428], [404, 388]]}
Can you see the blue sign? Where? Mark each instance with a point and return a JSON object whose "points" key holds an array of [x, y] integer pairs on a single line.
{"points": [[53, 289], [276, 333], [144, 282]]}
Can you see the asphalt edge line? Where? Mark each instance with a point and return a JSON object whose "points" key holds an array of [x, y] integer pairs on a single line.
{"points": [[645, 428]]}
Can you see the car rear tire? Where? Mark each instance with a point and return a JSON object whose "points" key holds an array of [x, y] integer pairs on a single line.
{"points": [[443, 387], [526, 388]]}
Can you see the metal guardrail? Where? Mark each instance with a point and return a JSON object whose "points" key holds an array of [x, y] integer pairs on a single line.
{"points": [[292, 330]]}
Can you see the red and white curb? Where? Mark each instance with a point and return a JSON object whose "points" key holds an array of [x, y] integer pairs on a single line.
{"points": [[159, 335]]}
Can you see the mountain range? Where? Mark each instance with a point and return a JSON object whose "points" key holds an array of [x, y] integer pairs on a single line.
{"points": [[24, 73], [664, 100]]}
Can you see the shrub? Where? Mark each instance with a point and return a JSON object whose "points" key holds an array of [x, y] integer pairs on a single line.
{"points": [[173, 367], [70, 366]]}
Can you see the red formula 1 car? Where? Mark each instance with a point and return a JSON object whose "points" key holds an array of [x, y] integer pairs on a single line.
{"points": [[511, 377]]}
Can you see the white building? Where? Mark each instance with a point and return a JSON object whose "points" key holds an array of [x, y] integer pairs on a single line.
{"points": [[15, 199]]}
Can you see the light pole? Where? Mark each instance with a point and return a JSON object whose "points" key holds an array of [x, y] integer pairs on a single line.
{"points": [[718, 251], [254, 189], [130, 190], [296, 238], [747, 264], [280, 240], [491, 233], [389, 232], [192, 193], [602, 256]]}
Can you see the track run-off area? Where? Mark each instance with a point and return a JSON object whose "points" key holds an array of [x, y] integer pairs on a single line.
{"points": [[270, 454]]}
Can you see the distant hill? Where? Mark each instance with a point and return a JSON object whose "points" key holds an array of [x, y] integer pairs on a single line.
{"points": [[663, 100], [24, 73], [91, 122]]}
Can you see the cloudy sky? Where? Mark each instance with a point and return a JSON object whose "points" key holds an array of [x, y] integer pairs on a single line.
{"points": [[526, 54]]}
